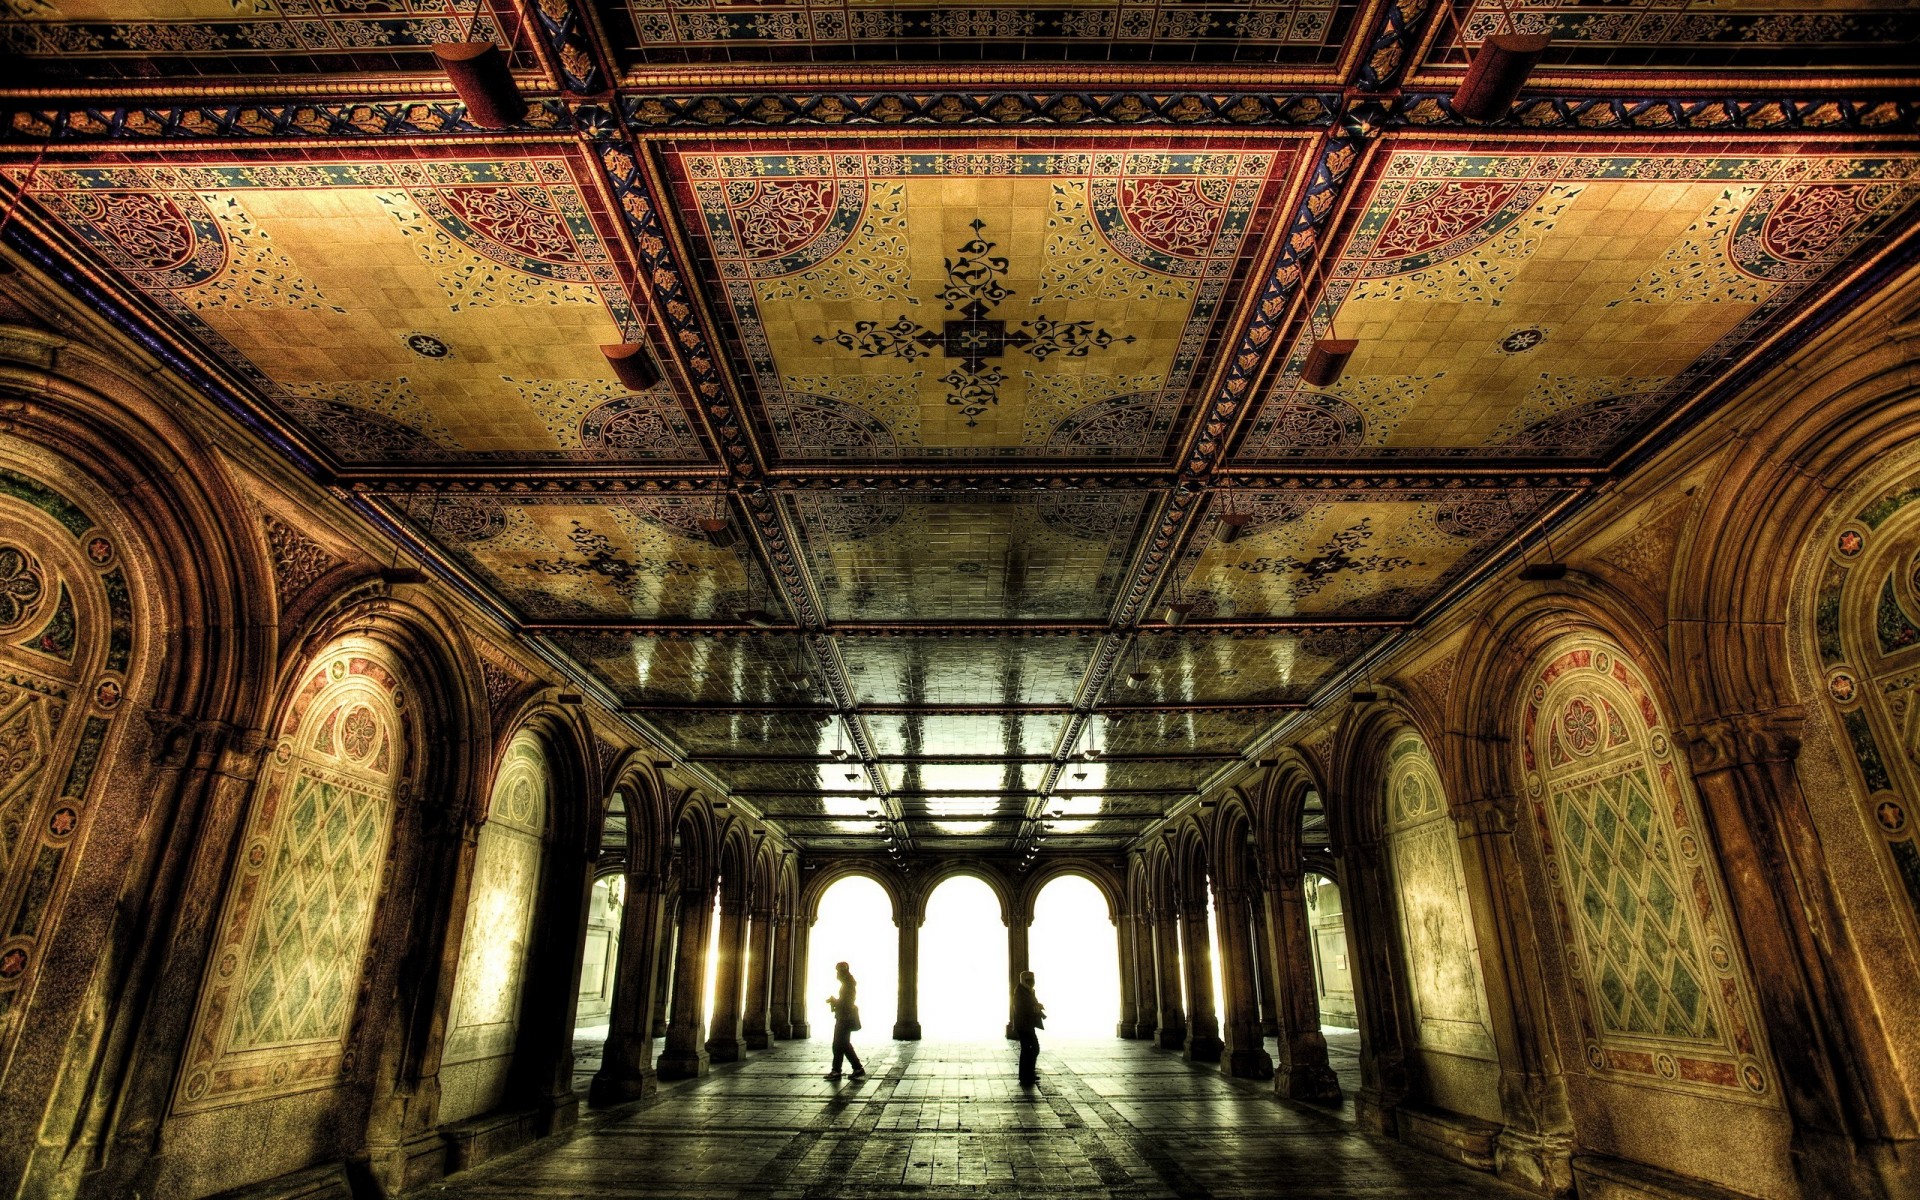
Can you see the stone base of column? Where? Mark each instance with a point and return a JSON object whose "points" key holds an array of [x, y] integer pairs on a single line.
{"points": [[687, 1066], [1171, 1037], [660, 1031], [906, 1031], [1270, 1028], [1373, 1112], [759, 1039], [1313, 1085], [618, 1087], [1541, 1163], [1126, 1029], [799, 1029], [725, 1050], [1144, 1030], [781, 1029], [1204, 1048], [1251, 1063]]}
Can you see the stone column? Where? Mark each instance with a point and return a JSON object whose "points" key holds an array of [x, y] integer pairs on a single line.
{"points": [[1171, 1032], [663, 973], [1376, 996], [723, 1039], [626, 1063], [797, 978], [1203, 1022], [906, 1018], [753, 1024], [1129, 986], [1145, 984], [779, 1012], [1264, 974], [1243, 1053], [1018, 923], [686, 1055], [1301, 1070], [1853, 1132]]}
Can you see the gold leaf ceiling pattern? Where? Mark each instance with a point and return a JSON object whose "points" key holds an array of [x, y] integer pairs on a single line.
{"points": [[981, 329]]}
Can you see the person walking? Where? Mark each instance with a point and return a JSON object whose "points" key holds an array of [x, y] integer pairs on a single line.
{"points": [[1029, 1016], [846, 1020]]}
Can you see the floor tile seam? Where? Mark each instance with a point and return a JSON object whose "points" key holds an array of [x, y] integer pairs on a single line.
{"points": [[847, 1148], [1157, 1159]]}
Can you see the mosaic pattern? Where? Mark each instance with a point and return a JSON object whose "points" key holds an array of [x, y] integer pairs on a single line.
{"points": [[1660, 983], [1281, 667], [252, 36], [1866, 632], [487, 989], [66, 642], [967, 556], [924, 303], [1012, 734], [422, 311], [597, 557], [1349, 554], [1550, 306], [1697, 34], [1305, 33], [719, 670], [1436, 925], [277, 1006]]}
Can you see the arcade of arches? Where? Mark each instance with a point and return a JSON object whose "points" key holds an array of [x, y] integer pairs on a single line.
{"points": [[438, 755]]}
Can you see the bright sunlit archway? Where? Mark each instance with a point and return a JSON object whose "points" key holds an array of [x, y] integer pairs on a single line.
{"points": [[1074, 955], [963, 963], [855, 926]]}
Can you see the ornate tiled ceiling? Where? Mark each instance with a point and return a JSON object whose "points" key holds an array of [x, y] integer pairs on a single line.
{"points": [[980, 329]]}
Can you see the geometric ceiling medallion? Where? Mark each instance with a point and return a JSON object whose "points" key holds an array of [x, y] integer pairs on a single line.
{"points": [[973, 289], [426, 345]]}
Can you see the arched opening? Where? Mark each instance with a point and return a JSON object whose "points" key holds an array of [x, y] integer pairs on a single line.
{"points": [[855, 925], [1333, 977], [600, 952], [1074, 958], [963, 963]]}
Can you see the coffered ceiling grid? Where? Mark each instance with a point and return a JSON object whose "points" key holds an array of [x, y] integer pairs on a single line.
{"points": [[958, 571]]}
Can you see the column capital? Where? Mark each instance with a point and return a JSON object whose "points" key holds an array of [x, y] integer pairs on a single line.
{"points": [[1743, 739], [760, 915], [1490, 814]]}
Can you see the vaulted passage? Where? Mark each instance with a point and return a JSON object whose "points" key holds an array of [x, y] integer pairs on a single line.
{"points": [[944, 1119], [1346, 573]]}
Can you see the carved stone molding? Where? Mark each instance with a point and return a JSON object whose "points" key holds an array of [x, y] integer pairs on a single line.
{"points": [[298, 561], [1746, 739]]}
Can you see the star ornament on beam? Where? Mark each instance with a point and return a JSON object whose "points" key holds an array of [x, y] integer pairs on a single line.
{"points": [[973, 290]]}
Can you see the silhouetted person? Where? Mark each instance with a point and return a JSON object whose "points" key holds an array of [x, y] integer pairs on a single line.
{"points": [[846, 1019], [1029, 1016]]}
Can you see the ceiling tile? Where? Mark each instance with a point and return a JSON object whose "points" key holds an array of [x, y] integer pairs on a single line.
{"points": [[967, 670]]}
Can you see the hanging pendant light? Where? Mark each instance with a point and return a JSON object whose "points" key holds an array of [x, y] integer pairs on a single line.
{"points": [[1498, 72], [1327, 360], [480, 74], [632, 366]]}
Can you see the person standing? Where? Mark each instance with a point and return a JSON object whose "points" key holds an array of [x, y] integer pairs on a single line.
{"points": [[1029, 1016], [846, 1019]]}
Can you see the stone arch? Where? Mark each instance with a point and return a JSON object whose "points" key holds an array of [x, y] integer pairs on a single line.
{"points": [[1009, 903], [1112, 888], [735, 862], [648, 847], [820, 881], [695, 843], [78, 430]]}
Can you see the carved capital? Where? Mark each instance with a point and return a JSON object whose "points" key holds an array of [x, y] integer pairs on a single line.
{"points": [[1488, 815], [1743, 740]]}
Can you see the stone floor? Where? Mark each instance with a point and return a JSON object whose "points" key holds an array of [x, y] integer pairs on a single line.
{"points": [[946, 1119]]}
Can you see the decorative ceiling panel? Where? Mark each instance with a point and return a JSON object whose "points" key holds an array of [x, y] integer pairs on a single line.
{"points": [[918, 301], [596, 557], [59, 39], [961, 808], [876, 556], [1306, 34], [1209, 668], [1540, 304], [713, 670], [1187, 732], [967, 670], [964, 777], [934, 831], [1350, 555], [413, 311], [1697, 35], [1011, 734], [827, 776], [701, 733], [1125, 776]]}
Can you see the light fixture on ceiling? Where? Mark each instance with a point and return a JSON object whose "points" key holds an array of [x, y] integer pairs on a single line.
{"points": [[1232, 525], [480, 74], [1179, 608], [1496, 75], [632, 366], [719, 531], [839, 741], [759, 618], [1327, 360], [1547, 571]]}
